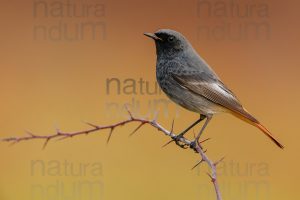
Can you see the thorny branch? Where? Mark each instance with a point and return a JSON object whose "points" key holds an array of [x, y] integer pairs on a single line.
{"points": [[183, 142]]}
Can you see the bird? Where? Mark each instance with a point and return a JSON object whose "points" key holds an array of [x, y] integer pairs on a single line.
{"points": [[190, 82]]}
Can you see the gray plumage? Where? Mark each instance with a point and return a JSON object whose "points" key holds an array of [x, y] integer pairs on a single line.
{"points": [[177, 61], [190, 82]]}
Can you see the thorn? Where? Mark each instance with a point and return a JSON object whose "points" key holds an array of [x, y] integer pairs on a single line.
{"points": [[197, 164], [155, 116], [46, 143], [92, 125], [205, 140], [218, 162], [208, 174], [199, 144], [172, 127], [168, 143], [63, 138], [15, 141], [29, 133], [137, 128], [58, 131], [110, 133], [60, 139], [128, 111]]}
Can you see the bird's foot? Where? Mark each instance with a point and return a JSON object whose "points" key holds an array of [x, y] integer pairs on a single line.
{"points": [[178, 141], [195, 143]]}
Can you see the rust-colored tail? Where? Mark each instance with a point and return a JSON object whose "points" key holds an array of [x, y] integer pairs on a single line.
{"points": [[268, 133], [246, 116]]}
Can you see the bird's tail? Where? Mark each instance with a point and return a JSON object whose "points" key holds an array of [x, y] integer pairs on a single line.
{"points": [[268, 133], [246, 116]]}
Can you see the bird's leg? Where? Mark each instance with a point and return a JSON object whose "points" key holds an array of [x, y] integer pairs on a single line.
{"points": [[193, 143], [180, 135]]}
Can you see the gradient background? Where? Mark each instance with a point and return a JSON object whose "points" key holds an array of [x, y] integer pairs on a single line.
{"points": [[45, 84]]}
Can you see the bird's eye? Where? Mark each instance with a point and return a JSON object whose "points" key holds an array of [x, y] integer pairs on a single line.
{"points": [[171, 39]]}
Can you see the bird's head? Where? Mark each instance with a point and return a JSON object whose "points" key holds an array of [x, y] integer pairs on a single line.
{"points": [[168, 42]]}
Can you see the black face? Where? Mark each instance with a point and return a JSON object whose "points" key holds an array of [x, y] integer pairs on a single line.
{"points": [[168, 43], [167, 39]]}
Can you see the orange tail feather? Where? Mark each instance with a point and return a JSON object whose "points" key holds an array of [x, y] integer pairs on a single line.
{"points": [[268, 133], [247, 117]]}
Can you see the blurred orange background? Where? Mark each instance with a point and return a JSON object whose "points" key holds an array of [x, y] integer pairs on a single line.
{"points": [[51, 81]]}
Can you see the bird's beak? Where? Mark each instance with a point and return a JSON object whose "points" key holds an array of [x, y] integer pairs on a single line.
{"points": [[153, 36]]}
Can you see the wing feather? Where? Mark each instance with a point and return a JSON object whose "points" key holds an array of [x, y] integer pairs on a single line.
{"points": [[214, 90]]}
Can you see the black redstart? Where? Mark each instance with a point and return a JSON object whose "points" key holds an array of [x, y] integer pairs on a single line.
{"points": [[190, 82]]}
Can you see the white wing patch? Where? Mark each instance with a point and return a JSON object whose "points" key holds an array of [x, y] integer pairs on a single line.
{"points": [[220, 90]]}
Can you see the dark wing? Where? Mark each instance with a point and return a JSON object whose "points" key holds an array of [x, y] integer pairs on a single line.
{"points": [[214, 90]]}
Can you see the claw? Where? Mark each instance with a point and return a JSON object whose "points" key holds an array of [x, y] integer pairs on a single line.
{"points": [[182, 145], [193, 144]]}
